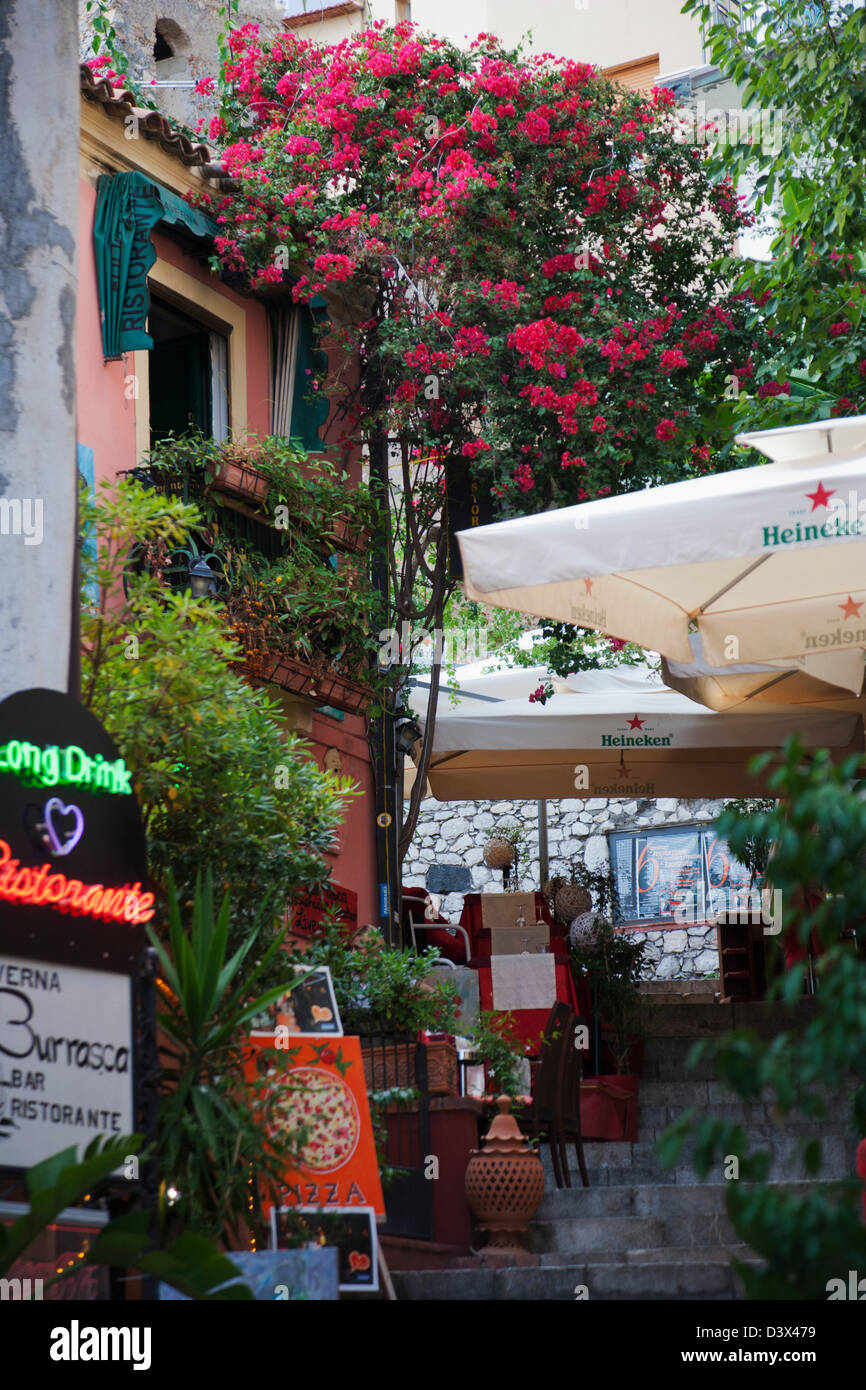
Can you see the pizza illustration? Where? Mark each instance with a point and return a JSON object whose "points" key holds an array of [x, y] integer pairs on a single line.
{"points": [[323, 1102]]}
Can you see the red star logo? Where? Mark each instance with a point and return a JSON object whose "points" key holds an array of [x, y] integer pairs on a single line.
{"points": [[820, 497], [588, 586], [851, 609], [623, 771], [636, 723]]}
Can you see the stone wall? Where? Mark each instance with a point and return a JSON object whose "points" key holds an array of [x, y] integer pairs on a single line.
{"points": [[191, 28], [446, 856]]}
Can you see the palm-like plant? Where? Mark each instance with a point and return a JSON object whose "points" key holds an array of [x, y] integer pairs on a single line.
{"points": [[217, 1138]]}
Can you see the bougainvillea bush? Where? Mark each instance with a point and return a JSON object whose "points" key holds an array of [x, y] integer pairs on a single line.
{"points": [[523, 252]]}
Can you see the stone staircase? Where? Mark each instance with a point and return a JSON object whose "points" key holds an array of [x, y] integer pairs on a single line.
{"points": [[639, 1232]]}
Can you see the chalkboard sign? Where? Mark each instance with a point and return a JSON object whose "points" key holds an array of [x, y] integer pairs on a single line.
{"points": [[676, 874]]}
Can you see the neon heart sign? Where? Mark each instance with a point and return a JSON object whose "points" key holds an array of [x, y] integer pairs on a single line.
{"points": [[63, 843]]}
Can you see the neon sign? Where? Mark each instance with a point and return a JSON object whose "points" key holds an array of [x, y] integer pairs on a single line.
{"points": [[43, 888], [51, 766], [62, 845]]}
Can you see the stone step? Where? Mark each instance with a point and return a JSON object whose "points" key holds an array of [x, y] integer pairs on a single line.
{"points": [[680, 991], [658, 1280], [649, 1200], [684, 1254], [693, 1021], [653, 1279], [581, 1236]]}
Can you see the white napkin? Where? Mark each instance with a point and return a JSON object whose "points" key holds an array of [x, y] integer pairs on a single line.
{"points": [[523, 982]]}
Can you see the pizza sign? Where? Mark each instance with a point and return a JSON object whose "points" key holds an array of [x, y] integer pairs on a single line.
{"points": [[324, 1090]]}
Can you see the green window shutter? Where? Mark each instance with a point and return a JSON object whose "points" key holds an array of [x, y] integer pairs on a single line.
{"points": [[310, 408]]}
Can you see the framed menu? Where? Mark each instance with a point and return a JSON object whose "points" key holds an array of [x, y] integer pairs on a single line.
{"points": [[351, 1229], [655, 872]]}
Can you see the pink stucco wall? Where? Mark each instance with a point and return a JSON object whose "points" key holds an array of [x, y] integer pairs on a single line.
{"points": [[106, 404], [106, 423]]}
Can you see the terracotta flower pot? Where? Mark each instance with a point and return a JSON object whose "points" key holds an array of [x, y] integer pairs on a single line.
{"points": [[240, 480], [504, 1182]]}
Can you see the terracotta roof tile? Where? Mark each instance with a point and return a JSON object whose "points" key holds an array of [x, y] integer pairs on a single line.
{"points": [[152, 124]]}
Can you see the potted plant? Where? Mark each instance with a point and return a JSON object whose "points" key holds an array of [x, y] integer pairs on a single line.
{"points": [[234, 471], [611, 962], [385, 990]]}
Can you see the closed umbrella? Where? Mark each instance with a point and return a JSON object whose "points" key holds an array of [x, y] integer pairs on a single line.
{"points": [[765, 686], [768, 564]]}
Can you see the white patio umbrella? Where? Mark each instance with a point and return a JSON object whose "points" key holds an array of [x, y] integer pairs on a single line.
{"points": [[614, 734], [769, 563], [767, 687]]}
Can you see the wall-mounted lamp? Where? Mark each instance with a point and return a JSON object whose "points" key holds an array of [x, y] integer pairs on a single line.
{"points": [[202, 579], [406, 735]]}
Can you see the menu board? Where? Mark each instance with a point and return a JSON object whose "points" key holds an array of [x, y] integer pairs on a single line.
{"points": [[655, 872]]}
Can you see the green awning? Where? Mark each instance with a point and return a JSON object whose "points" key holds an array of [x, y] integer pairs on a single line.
{"points": [[128, 207]]}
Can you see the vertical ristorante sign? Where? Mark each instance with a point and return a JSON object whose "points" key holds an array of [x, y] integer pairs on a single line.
{"points": [[74, 900]]}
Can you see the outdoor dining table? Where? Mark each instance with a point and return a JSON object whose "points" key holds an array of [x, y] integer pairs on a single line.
{"points": [[522, 980]]}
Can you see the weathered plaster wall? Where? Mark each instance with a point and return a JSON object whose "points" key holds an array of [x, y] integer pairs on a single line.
{"points": [[38, 234], [194, 38]]}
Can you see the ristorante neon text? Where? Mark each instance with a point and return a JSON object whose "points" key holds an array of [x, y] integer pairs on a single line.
{"points": [[43, 887]]}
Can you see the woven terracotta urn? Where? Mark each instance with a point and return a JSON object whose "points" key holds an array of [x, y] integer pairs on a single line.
{"points": [[504, 1182]]}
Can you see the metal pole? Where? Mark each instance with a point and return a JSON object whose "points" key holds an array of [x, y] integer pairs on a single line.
{"points": [[543, 866]]}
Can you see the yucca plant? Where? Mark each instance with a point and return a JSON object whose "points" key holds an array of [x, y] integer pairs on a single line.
{"points": [[219, 1142]]}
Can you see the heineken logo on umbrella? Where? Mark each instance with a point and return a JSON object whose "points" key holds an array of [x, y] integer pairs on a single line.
{"points": [[840, 635], [834, 518], [636, 733]]}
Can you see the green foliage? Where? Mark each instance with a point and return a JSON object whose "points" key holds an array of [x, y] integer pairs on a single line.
{"points": [[817, 833], [802, 65], [314, 492], [192, 1264], [218, 783], [750, 810], [613, 962], [600, 885], [310, 599], [215, 1127], [494, 1040], [59, 1182], [381, 987]]}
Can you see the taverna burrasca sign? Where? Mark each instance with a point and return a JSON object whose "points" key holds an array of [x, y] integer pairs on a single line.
{"points": [[74, 900]]}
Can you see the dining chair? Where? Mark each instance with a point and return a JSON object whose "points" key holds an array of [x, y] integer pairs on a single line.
{"points": [[543, 1118], [569, 1128]]}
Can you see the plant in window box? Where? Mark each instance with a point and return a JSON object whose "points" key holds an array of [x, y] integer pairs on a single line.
{"points": [[612, 962]]}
